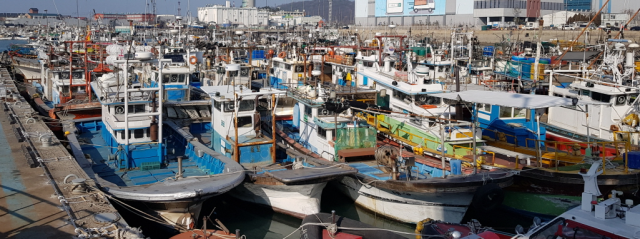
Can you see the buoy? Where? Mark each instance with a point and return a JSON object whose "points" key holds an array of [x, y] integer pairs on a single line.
{"points": [[193, 60]]}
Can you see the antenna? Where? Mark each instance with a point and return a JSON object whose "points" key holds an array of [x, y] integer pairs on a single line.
{"points": [[330, 10], [179, 9]]}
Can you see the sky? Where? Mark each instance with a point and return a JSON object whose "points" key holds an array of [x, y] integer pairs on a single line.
{"points": [[68, 7]]}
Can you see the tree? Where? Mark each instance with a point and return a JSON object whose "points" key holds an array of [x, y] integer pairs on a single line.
{"points": [[635, 20], [516, 14]]}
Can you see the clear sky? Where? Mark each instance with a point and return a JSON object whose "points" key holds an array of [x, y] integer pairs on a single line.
{"points": [[68, 7]]}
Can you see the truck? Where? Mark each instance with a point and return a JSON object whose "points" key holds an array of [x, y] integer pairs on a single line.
{"points": [[531, 26]]}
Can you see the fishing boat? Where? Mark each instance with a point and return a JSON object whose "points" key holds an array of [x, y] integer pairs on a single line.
{"points": [[595, 217], [608, 84], [514, 138], [135, 155], [25, 58], [407, 186], [242, 126]]}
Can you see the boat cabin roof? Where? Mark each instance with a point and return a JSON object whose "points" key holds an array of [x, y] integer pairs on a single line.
{"points": [[527, 101], [225, 92], [603, 89]]}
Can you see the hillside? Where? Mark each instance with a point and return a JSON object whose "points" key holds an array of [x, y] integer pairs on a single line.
{"points": [[343, 10]]}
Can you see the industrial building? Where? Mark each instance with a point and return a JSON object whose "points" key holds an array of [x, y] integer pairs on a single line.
{"points": [[614, 19], [226, 14], [578, 5], [500, 13]]}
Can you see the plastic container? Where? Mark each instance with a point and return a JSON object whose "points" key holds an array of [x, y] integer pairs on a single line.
{"points": [[634, 160]]}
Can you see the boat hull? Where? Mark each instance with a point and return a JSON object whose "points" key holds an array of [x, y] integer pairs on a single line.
{"points": [[294, 200], [407, 207]]}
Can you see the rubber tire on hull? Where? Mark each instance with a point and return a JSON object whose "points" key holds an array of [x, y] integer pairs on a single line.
{"points": [[488, 197]]}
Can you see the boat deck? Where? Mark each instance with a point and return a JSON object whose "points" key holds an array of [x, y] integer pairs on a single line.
{"points": [[372, 169], [32, 191], [95, 147]]}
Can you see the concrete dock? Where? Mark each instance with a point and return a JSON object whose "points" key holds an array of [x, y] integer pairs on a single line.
{"points": [[35, 200]]}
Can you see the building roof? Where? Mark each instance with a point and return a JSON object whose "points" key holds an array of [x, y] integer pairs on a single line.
{"points": [[33, 8], [44, 14]]}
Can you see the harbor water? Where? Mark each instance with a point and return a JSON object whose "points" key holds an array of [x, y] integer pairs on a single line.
{"points": [[255, 221], [5, 44]]}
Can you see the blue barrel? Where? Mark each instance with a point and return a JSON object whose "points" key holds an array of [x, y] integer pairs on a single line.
{"points": [[526, 67], [487, 51], [257, 54]]}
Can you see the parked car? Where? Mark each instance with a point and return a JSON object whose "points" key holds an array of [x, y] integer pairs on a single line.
{"points": [[636, 28], [567, 27]]}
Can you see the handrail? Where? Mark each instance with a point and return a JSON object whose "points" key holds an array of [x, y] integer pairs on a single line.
{"points": [[493, 160]]}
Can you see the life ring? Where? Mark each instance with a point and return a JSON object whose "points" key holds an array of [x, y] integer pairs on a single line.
{"points": [[282, 54], [488, 197], [193, 60]]}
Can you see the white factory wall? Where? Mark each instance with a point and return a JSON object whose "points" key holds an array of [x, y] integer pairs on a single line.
{"points": [[222, 15]]}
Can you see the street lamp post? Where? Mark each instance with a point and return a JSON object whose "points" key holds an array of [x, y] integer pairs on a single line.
{"points": [[47, 17]]}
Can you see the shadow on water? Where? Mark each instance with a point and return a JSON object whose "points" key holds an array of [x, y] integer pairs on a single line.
{"points": [[261, 222]]}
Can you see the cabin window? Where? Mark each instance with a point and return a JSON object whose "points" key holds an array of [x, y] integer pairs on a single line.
{"points": [[400, 95], [519, 112], [632, 98], [558, 95], [133, 109], [307, 111], [229, 106], [484, 108], [138, 133], [324, 112], [585, 92], [181, 78], [287, 66], [244, 121], [505, 112], [65, 89], [621, 100], [510, 112], [427, 100], [247, 105], [322, 133], [600, 97], [217, 105], [121, 133]]}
